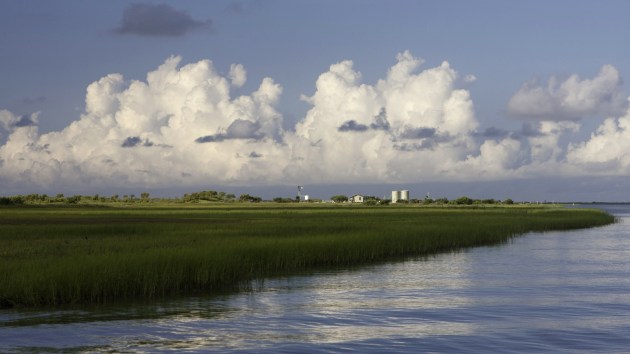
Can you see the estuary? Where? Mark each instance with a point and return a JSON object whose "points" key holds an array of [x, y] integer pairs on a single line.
{"points": [[566, 291]]}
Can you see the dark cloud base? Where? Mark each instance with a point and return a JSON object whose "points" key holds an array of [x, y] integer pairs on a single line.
{"points": [[239, 129], [158, 21]]}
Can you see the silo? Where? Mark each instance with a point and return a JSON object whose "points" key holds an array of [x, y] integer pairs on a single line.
{"points": [[404, 195], [395, 196]]}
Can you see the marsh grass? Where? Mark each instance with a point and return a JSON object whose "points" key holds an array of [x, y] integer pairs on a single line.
{"points": [[51, 256]]}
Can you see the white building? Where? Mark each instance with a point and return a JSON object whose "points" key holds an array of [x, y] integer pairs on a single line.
{"points": [[357, 198], [400, 195]]}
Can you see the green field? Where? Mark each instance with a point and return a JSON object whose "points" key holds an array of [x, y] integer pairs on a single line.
{"points": [[97, 255]]}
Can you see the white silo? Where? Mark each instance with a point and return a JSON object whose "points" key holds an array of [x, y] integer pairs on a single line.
{"points": [[404, 195], [395, 196]]}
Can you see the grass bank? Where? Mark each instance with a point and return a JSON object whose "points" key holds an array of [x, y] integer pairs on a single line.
{"points": [[52, 256]]}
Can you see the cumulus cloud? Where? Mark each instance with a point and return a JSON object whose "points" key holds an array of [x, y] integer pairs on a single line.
{"points": [[572, 98], [387, 131], [470, 78], [607, 151], [158, 20], [117, 139], [238, 75], [184, 125], [239, 129], [11, 121]]}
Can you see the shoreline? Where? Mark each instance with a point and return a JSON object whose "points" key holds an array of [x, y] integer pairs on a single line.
{"points": [[86, 255]]}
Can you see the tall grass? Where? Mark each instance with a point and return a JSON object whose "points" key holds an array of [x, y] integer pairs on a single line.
{"points": [[80, 255]]}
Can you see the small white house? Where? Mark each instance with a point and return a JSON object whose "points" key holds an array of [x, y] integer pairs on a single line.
{"points": [[357, 198]]}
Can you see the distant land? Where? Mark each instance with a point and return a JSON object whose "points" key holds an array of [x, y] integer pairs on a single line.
{"points": [[540, 190]]}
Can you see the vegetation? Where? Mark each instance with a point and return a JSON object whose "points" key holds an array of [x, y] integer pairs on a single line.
{"points": [[249, 198], [80, 254], [208, 196], [283, 200], [339, 198], [196, 197], [211, 196]]}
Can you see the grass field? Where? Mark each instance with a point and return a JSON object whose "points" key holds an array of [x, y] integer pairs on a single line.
{"points": [[71, 255]]}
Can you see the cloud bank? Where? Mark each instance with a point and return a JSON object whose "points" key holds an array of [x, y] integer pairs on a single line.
{"points": [[183, 126]]}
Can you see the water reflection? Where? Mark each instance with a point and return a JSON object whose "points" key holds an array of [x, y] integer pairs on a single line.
{"points": [[556, 291]]}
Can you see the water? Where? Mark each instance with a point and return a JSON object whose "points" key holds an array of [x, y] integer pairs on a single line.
{"points": [[543, 292]]}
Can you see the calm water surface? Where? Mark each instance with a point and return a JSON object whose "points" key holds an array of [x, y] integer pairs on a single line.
{"points": [[543, 292]]}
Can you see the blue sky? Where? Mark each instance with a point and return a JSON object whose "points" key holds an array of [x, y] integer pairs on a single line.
{"points": [[534, 83]]}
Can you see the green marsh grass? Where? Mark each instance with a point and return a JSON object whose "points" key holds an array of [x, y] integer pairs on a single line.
{"points": [[83, 255]]}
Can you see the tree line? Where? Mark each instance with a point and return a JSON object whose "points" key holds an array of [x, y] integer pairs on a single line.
{"points": [[211, 196], [372, 200], [144, 197]]}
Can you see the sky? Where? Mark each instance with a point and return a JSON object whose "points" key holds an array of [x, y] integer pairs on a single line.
{"points": [[488, 99]]}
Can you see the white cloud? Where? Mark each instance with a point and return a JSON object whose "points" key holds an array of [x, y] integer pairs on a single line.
{"points": [[470, 78], [572, 98], [544, 146], [496, 159], [10, 121], [184, 126], [238, 75], [607, 151], [410, 125], [144, 133]]}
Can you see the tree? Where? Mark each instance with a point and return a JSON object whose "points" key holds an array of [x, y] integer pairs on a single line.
{"points": [[464, 201], [144, 196], [442, 201], [339, 198], [15, 200], [249, 198], [74, 199], [508, 201]]}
